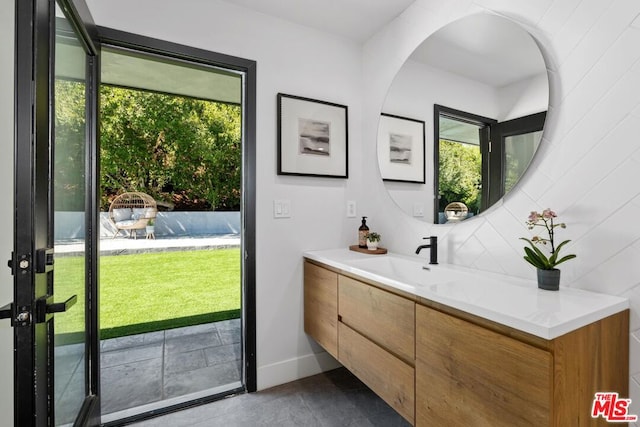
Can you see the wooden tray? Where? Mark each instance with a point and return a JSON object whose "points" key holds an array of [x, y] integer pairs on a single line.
{"points": [[378, 251]]}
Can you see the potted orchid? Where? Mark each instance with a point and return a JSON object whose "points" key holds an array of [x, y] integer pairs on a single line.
{"points": [[548, 274]]}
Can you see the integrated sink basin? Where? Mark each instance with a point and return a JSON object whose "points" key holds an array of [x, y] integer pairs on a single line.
{"points": [[409, 271], [510, 301]]}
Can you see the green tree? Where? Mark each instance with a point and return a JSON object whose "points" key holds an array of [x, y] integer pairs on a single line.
{"points": [[460, 174], [170, 147]]}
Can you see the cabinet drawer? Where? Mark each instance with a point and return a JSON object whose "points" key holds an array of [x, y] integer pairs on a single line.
{"points": [[384, 318], [389, 377], [468, 375], [321, 306]]}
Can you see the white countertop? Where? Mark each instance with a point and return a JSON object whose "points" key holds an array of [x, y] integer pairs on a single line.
{"points": [[510, 301]]}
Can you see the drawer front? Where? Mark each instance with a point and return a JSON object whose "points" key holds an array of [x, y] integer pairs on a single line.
{"points": [[468, 375], [321, 306], [384, 318], [389, 377]]}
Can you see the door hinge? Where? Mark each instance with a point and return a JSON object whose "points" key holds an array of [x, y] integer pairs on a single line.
{"points": [[489, 146]]}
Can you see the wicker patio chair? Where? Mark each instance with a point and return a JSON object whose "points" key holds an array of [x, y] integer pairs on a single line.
{"points": [[131, 212]]}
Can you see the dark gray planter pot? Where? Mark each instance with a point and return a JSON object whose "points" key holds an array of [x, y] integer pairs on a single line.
{"points": [[549, 280]]}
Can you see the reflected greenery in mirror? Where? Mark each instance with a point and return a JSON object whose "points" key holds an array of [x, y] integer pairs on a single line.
{"points": [[482, 67]]}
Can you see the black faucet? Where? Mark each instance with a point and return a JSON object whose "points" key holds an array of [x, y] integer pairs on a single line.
{"points": [[433, 246]]}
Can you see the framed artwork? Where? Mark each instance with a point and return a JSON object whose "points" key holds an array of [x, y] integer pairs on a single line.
{"points": [[401, 145], [312, 137]]}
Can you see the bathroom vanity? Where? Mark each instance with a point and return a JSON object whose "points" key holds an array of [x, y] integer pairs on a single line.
{"points": [[449, 346]]}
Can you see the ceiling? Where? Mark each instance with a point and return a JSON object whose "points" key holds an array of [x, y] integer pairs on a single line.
{"points": [[485, 48], [357, 20], [495, 52]]}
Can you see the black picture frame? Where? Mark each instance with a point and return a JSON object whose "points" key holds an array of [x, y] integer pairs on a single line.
{"points": [[401, 149], [313, 137]]}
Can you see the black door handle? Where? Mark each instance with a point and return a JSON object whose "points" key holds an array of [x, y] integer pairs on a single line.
{"points": [[6, 311], [45, 307], [61, 307]]}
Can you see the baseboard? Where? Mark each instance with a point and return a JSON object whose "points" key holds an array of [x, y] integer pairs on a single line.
{"points": [[294, 369]]}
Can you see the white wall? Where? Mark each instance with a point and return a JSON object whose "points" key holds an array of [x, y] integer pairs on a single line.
{"points": [[589, 163], [294, 60], [6, 208]]}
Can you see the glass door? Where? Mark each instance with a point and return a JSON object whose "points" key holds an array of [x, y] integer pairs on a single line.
{"points": [[53, 313], [518, 139]]}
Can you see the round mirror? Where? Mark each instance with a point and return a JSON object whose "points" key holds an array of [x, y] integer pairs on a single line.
{"points": [[463, 119]]}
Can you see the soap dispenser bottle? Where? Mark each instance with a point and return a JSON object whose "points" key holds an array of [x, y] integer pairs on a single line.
{"points": [[363, 232]]}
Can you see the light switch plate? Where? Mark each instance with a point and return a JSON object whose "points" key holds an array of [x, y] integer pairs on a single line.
{"points": [[418, 210], [282, 208], [351, 209]]}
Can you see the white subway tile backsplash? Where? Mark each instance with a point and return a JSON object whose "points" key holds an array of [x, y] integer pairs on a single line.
{"points": [[634, 395], [606, 239], [620, 98], [601, 41], [634, 355], [487, 262], [617, 275], [634, 303], [636, 22], [557, 14], [494, 242], [586, 93], [598, 163], [567, 36], [467, 251]]}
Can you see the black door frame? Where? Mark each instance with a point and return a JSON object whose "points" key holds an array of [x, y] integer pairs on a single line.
{"points": [[31, 261], [33, 24], [156, 47]]}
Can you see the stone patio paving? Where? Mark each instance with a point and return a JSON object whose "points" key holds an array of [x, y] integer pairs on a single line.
{"points": [[139, 370]]}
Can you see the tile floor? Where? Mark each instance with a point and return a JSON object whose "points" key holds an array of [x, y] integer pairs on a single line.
{"points": [[165, 365], [334, 398]]}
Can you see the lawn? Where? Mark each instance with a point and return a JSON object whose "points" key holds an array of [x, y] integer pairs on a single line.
{"points": [[153, 291]]}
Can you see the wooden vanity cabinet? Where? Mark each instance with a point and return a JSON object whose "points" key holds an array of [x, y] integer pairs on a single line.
{"points": [[321, 306], [438, 366], [468, 374]]}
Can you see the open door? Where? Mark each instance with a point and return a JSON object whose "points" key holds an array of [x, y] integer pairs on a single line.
{"points": [[514, 143], [56, 379]]}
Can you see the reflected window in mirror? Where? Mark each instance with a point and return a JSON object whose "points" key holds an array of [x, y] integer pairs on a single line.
{"points": [[478, 159]]}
